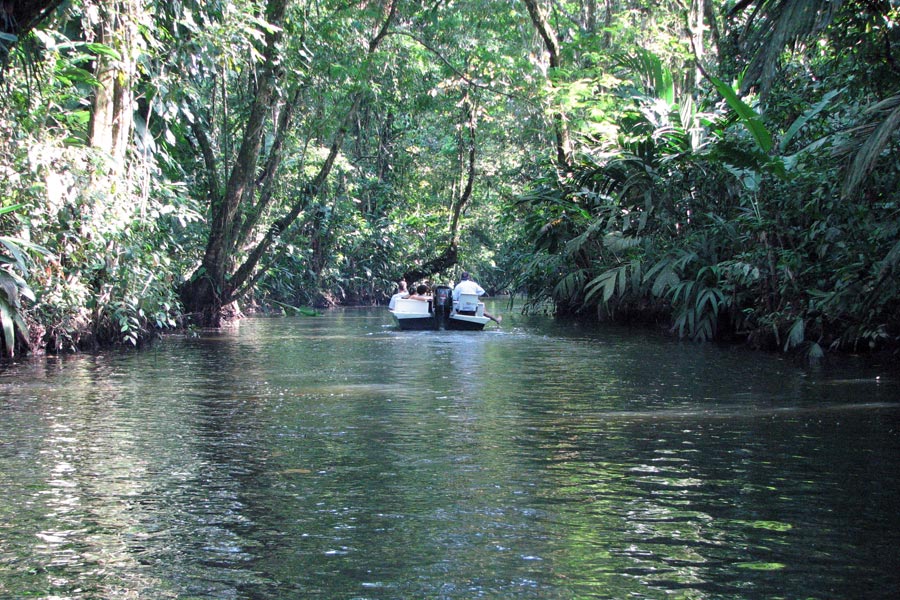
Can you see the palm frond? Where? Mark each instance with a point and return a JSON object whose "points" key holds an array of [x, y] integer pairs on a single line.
{"points": [[773, 26], [649, 73], [882, 123]]}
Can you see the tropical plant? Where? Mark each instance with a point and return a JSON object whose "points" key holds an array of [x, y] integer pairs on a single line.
{"points": [[14, 264]]}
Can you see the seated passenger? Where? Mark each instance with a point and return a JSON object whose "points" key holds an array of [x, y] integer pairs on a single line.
{"points": [[402, 293], [468, 286], [421, 293]]}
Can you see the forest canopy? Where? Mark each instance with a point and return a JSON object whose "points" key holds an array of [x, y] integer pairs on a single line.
{"points": [[727, 169]]}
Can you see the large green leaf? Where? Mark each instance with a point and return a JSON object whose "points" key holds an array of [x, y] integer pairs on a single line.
{"points": [[605, 282], [796, 335], [9, 209], [805, 118], [7, 323], [747, 115], [653, 74], [103, 50]]}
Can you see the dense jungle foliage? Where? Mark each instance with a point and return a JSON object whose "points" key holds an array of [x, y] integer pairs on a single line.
{"points": [[726, 168]]}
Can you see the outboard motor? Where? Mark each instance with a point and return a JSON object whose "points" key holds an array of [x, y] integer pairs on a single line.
{"points": [[443, 304]]}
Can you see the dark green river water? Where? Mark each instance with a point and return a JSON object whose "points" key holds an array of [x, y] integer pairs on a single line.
{"points": [[336, 457]]}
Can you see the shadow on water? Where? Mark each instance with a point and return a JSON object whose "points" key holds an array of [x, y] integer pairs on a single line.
{"points": [[336, 457]]}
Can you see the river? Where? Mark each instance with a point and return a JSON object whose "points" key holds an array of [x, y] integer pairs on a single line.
{"points": [[337, 457]]}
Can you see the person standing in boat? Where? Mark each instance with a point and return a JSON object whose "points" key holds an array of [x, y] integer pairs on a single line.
{"points": [[401, 293], [468, 286]]}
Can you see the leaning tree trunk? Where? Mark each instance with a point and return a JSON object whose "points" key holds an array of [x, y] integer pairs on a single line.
{"points": [[207, 294], [111, 125], [551, 43], [214, 287], [249, 272], [449, 256]]}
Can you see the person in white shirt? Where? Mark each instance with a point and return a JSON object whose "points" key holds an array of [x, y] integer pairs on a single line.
{"points": [[468, 286], [402, 293]]}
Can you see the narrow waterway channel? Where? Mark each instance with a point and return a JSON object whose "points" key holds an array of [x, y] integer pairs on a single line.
{"points": [[337, 457]]}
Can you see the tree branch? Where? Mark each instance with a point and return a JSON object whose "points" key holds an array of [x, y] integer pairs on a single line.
{"points": [[220, 246], [266, 181], [454, 68], [209, 159], [539, 19]]}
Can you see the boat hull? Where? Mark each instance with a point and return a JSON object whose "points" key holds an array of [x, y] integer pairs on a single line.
{"points": [[466, 323], [415, 323]]}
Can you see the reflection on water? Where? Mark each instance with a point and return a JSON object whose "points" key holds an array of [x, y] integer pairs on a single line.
{"points": [[336, 457]]}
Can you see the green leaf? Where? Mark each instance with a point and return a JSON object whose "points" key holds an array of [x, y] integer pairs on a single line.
{"points": [[796, 335], [103, 50], [9, 209], [71, 75], [748, 116], [815, 352], [605, 282], [805, 118], [666, 279], [9, 287], [616, 242], [570, 285], [6, 320], [622, 277], [20, 323], [885, 123]]}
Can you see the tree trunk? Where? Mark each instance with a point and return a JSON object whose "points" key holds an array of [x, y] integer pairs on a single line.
{"points": [[311, 190], [243, 277], [467, 149], [213, 287], [551, 43], [112, 115], [208, 292], [449, 256]]}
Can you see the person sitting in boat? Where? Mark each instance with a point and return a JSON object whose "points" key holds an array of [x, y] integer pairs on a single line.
{"points": [[401, 293], [468, 286], [421, 293]]}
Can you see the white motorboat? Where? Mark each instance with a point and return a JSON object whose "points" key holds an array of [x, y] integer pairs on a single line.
{"points": [[441, 312]]}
